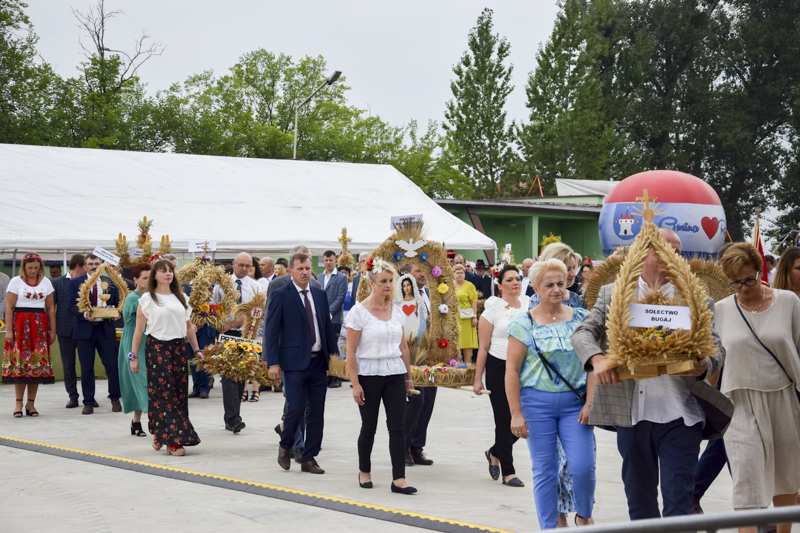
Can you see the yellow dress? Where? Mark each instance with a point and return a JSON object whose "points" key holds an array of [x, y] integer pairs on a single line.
{"points": [[467, 294]]}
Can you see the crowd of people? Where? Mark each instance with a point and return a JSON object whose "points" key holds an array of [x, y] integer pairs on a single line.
{"points": [[537, 347]]}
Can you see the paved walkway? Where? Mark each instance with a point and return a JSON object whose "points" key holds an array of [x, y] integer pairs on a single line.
{"points": [[94, 497]]}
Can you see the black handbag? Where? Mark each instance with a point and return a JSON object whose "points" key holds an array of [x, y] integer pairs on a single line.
{"points": [[767, 349], [549, 367]]}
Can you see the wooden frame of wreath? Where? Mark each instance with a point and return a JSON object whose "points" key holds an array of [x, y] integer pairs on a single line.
{"points": [[627, 346], [409, 245], [205, 275], [85, 299]]}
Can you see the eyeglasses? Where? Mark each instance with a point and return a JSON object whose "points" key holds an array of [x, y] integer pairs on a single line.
{"points": [[746, 283]]}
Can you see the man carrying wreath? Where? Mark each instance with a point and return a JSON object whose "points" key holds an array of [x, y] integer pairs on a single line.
{"points": [[660, 421]]}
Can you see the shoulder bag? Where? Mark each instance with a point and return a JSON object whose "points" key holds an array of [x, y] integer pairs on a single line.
{"points": [[767, 349], [550, 368]]}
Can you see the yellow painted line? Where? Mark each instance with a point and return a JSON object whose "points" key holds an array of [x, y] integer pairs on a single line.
{"points": [[264, 485]]}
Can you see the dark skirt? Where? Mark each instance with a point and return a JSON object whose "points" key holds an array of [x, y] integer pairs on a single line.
{"points": [[27, 360], [167, 393]]}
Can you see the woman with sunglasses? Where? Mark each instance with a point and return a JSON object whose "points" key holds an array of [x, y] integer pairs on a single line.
{"points": [[760, 331]]}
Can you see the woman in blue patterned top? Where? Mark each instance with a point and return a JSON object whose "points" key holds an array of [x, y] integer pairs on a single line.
{"points": [[543, 407]]}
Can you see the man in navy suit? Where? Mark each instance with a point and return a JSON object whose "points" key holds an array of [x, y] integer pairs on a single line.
{"points": [[299, 339], [92, 334], [65, 323], [335, 286]]}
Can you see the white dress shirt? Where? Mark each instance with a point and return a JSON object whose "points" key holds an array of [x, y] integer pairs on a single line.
{"points": [[665, 398], [524, 284], [249, 288], [318, 344], [327, 277]]}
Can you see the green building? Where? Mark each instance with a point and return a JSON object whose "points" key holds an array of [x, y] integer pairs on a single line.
{"points": [[524, 222]]}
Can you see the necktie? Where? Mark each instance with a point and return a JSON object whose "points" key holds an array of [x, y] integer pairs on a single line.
{"points": [[310, 315], [239, 288]]}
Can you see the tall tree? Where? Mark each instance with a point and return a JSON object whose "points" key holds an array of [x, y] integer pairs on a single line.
{"points": [[476, 116]]}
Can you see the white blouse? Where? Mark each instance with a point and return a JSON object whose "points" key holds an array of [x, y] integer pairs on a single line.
{"points": [[378, 351], [499, 315], [28, 296], [167, 321]]}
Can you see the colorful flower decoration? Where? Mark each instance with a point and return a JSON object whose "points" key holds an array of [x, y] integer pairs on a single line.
{"points": [[370, 264], [423, 257], [444, 309], [443, 343], [155, 257], [442, 288], [453, 362], [436, 272], [398, 256]]}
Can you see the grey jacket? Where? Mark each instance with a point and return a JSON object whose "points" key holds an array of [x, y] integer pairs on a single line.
{"points": [[611, 404]]}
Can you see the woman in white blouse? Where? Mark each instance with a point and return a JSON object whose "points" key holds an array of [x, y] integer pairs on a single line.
{"points": [[492, 347], [165, 314], [379, 365]]}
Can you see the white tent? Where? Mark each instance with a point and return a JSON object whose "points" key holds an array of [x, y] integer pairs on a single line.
{"points": [[566, 187], [74, 199]]}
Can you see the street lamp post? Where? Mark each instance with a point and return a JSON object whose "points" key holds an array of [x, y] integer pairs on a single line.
{"points": [[329, 81]]}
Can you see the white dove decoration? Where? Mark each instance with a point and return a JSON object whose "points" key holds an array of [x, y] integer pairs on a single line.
{"points": [[411, 247]]}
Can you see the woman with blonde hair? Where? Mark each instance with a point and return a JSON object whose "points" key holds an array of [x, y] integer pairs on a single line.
{"points": [[565, 254], [30, 330], [760, 331], [467, 296], [787, 273], [378, 361]]}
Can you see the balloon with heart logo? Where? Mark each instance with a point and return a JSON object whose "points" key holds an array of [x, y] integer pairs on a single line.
{"points": [[684, 203]]}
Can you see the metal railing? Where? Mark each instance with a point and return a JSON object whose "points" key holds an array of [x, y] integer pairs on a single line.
{"points": [[760, 518]]}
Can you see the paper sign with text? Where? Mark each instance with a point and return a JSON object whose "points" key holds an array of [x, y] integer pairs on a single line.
{"points": [[396, 221], [225, 338], [106, 256], [137, 252], [197, 246], [669, 316]]}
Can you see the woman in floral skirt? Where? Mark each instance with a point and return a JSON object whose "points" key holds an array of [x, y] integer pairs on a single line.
{"points": [[163, 315], [30, 330]]}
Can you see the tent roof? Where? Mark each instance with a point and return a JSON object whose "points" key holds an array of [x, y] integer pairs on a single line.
{"points": [[76, 199]]}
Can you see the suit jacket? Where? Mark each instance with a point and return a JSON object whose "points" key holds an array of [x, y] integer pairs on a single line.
{"points": [[287, 333], [282, 281], [65, 321], [336, 292], [83, 329], [475, 280], [611, 404]]}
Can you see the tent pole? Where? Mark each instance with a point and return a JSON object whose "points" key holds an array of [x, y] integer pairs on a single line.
{"points": [[14, 264], [65, 261]]}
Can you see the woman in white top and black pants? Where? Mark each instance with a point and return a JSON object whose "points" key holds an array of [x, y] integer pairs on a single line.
{"points": [[492, 351], [378, 361], [166, 315]]}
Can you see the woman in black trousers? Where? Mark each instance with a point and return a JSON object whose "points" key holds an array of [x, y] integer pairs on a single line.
{"points": [[492, 346], [378, 362]]}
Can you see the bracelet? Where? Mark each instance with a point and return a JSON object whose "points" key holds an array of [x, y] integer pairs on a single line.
{"points": [[131, 356], [589, 404], [198, 350], [409, 381]]}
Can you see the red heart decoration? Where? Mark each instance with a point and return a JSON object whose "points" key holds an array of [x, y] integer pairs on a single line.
{"points": [[710, 226], [409, 309]]}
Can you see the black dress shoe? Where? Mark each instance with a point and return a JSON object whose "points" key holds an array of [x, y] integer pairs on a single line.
{"points": [[406, 490], [334, 382], [284, 458], [298, 455], [87, 410], [237, 427], [203, 395], [278, 430], [193, 394], [73, 402], [419, 457], [116, 406], [94, 404], [409, 458], [277, 388], [367, 485], [311, 467]]}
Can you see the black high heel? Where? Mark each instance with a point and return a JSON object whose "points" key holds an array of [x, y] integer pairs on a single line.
{"points": [[136, 429], [367, 485], [18, 414], [31, 413], [407, 490]]}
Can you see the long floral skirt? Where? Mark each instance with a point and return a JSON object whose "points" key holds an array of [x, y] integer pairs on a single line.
{"points": [[167, 393], [27, 360]]}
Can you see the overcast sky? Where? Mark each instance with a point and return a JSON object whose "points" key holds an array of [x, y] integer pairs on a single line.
{"points": [[397, 57]]}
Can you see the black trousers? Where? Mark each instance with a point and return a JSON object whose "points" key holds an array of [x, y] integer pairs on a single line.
{"points": [[392, 390], [503, 438], [105, 347], [231, 394], [419, 409], [68, 350]]}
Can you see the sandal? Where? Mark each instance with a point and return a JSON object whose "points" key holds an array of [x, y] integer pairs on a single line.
{"points": [[494, 470], [31, 413], [514, 482], [156, 445], [18, 414], [136, 429], [254, 397], [176, 450], [244, 396]]}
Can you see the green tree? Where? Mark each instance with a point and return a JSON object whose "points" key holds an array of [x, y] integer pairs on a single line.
{"points": [[475, 117]]}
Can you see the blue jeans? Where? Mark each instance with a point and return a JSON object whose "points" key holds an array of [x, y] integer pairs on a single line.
{"points": [[550, 415], [649, 447]]}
